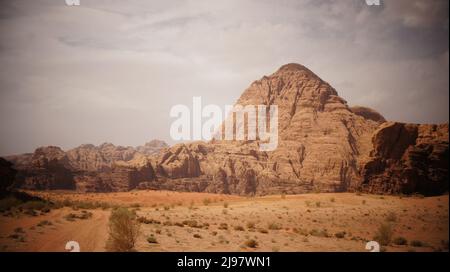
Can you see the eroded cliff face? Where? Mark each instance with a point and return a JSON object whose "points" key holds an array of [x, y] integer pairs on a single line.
{"points": [[406, 159], [87, 168]]}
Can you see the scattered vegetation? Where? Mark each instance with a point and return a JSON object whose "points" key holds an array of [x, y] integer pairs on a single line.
{"points": [[223, 226], [261, 230], [123, 230], [238, 228], [152, 239], [74, 216], [251, 243], [384, 234], [319, 233], [273, 226], [44, 223], [417, 243], [391, 217], [400, 241]]}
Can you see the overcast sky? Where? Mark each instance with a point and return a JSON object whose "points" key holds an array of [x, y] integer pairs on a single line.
{"points": [[110, 70]]}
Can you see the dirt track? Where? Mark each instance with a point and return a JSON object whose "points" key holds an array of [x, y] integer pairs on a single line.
{"points": [[91, 233]]}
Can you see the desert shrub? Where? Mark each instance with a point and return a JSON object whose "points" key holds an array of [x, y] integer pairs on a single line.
{"points": [[384, 234], [332, 199], [273, 226], [19, 230], [166, 207], [74, 216], [44, 223], [168, 223], [225, 205], [123, 230], [152, 240], [416, 243], [251, 243], [251, 225], [223, 226], [401, 241], [300, 231], [198, 236], [70, 217], [35, 205], [238, 228], [319, 233], [8, 203], [135, 205], [178, 224], [191, 223], [206, 201], [340, 234], [318, 204], [391, 217], [263, 231]]}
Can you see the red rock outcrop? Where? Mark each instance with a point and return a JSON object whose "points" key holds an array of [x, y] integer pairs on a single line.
{"points": [[87, 168], [408, 159]]}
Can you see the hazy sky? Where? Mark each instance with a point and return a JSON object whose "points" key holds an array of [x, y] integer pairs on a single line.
{"points": [[110, 70]]}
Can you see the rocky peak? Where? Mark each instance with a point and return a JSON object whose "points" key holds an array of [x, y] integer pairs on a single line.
{"points": [[151, 148]]}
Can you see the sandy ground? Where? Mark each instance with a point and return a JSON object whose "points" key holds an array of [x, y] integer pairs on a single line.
{"points": [[276, 223]]}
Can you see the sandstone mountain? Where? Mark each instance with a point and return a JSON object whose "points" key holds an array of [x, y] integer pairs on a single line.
{"points": [[322, 142], [324, 145]]}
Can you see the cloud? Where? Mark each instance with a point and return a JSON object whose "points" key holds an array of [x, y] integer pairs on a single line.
{"points": [[110, 70]]}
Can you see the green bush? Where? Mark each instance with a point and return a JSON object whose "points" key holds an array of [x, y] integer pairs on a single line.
{"points": [[123, 230]]}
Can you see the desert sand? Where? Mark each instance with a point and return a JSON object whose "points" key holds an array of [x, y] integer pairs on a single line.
{"points": [[336, 222]]}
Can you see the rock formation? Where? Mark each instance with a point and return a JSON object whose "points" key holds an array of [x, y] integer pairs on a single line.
{"points": [[324, 146], [87, 168], [408, 159], [321, 142]]}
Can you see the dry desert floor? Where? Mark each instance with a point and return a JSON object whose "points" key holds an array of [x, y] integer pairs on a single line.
{"points": [[337, 222]]}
